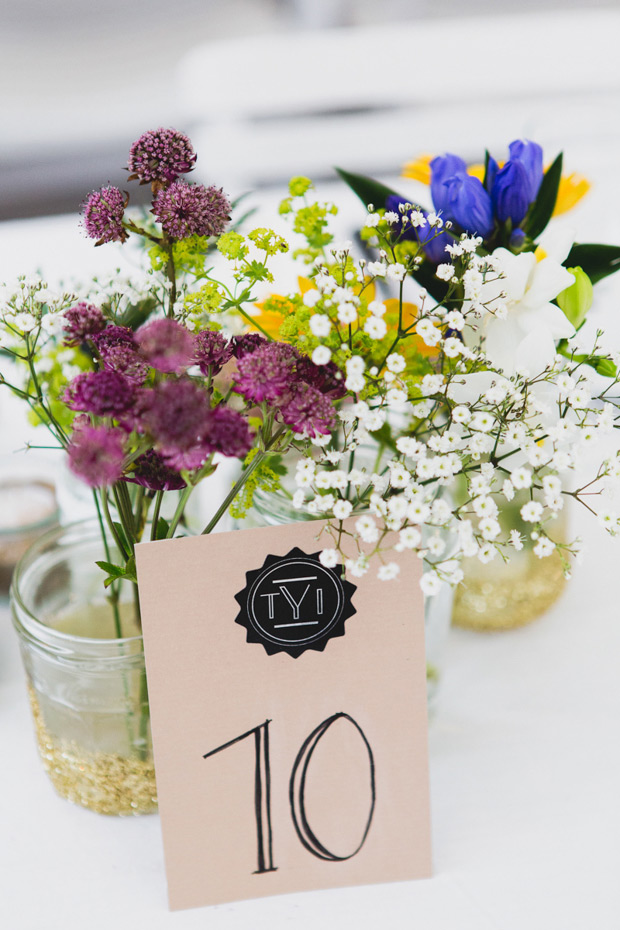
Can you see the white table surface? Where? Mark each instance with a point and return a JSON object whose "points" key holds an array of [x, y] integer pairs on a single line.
{"points": [[525, 767]]}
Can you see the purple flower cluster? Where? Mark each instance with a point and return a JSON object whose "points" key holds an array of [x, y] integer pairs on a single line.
{"points": [[166, 345], [277, 374], [186, 429], [211, 351], [191, 210], [104, 393], [160, 155], [81, 321], [96, 455], [103, 215]]}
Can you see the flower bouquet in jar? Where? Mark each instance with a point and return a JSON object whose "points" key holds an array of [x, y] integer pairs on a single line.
{"points": [[364, 397]]}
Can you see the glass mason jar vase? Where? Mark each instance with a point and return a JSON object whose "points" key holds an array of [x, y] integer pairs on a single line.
{"points": [[86, 683], [505, 595], [274, 509]]}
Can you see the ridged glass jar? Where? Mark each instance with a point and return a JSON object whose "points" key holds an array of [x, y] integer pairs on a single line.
{"points": [[87, 684]]}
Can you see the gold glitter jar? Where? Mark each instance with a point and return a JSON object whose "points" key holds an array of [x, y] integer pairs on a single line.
{"points": [[505, 595], [87, 685]]}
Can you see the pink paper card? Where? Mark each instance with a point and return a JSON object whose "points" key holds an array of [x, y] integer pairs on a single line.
{"points": [[288, 710]]}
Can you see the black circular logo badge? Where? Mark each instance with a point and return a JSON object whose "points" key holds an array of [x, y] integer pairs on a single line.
{"points": [[293, 603]]}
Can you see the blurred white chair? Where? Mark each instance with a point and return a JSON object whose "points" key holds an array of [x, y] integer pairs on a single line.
{"points": [[265, 107]]}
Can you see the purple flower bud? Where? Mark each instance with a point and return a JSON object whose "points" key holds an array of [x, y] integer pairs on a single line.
{"points": [[103, 216], [325, 378], [166, 345], [114, 336], [468, 204], [228, 433], [81, 321], [152, 472], [96, 455], [160, 155], [124, 359], [247, 343], [191, 210], [442, 168], [103, 393]]}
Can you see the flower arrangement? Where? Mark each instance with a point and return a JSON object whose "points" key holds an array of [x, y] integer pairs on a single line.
{"points": [[449, 353]]}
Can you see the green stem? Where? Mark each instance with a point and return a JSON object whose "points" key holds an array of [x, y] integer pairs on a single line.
{"points": [[179, 511], [114, 595], [240, 482], [158, 499], [110, 522]]}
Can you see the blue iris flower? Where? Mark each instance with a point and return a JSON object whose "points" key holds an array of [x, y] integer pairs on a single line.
{"points": [[434, 244], [460, 197], [516, 185], [444, 167], [468, 204]]}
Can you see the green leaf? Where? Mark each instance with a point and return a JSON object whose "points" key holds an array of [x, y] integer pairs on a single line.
{"points": [[542, 209], [130, 569], [162, 528], [137, 314], [487, 158], [367, 189], [115, 570], [598, 261]]}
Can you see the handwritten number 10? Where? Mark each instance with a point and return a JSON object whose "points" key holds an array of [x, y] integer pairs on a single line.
{"points": [[297, 789]]}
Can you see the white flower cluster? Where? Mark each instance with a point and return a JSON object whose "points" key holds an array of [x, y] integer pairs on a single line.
{"points": [[490, 417]]}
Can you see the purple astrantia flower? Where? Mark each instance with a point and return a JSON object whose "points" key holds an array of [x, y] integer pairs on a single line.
{"points": [[433, 242], [96, 455], [124, 359], [176, 414], [247, 343], [325, 378], [468, 204], [160, 155], [267, 374], [81, 321], [191, 209], [444, 167], [114, 336], [308, 411], [152, 472], [104, 393], [228, 433], [103, 215], [166, 345], [211, 351]]}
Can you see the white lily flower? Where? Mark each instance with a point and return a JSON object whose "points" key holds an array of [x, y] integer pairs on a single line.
{"points": [[525, 338]]}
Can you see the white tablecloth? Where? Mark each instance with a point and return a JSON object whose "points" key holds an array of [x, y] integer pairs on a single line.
{"points": [[525, 768]]}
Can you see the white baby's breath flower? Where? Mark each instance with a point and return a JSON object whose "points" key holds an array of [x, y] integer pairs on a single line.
{"points": [[521, 478], [544, 547], [347, 313], [372, 220], [395, 363], [516, 540], [329, 558], [508, 489], [342, 509], [388, 572], [320, 324], [531, 512], [445, 271], [396, 398], [377, 269], [311, 298], [396, 272], [486, 553], [367, 529], [355, 383], [375, 327], [410, 537], [430, 582], [321, 355], [298, 499]]}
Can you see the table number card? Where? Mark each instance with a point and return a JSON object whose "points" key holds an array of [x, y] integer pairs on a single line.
{"points": [[288, 709]]}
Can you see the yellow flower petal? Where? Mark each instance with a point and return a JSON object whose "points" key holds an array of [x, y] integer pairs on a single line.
{"points": [[419, 169], [572, 188]]}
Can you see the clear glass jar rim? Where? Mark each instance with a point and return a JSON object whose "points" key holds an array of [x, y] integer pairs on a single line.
{"points": [[87, 530], [50, 520]]}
